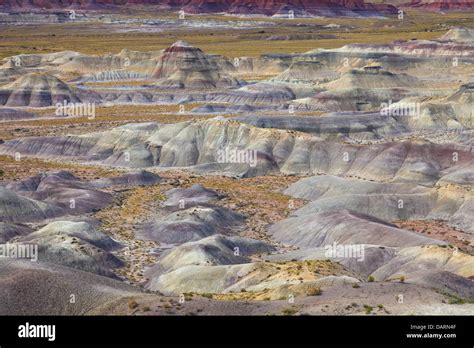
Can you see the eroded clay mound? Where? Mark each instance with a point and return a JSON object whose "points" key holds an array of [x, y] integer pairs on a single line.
{"points": [[184, 66], [37, 90]]}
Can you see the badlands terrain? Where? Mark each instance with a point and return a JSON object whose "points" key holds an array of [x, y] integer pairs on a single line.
{"points": [[236, 157]]}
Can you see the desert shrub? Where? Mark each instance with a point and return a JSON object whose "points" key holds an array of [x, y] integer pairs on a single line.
{"points": [[289, 311], [459, 300], [368, 309], [315, 292], [132, 304]]}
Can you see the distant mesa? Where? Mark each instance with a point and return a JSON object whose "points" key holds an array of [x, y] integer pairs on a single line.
{"points": [[302, 37], [278, 8], [443, 5]]}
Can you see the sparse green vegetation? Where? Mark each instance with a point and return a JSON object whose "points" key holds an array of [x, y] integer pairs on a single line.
{"points": [[453, 299], [423, 25], [368, 309], [370, 279], [289, 311]]}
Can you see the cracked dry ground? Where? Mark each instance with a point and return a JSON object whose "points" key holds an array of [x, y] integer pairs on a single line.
{"points": [[260, 199]]}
